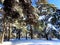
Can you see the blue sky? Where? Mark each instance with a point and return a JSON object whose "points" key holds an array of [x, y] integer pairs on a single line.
{"points": [[33, 3], [55, 2]]}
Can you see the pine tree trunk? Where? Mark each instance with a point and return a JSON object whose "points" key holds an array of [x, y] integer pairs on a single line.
{"points": [[26, 35], [31, 32], [2, 36], [9, 33], [3, 31], [19, 35]]}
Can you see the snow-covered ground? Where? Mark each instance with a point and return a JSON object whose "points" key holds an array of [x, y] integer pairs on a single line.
{"points": [[32, 42]]}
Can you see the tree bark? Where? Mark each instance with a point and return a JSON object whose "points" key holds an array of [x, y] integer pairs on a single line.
{"points": [[9, 32], [31, 32], [26, 35], [18, 34], [3, 30]]}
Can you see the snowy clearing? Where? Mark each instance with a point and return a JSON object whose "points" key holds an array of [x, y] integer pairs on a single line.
{"points": [[32, 42]]}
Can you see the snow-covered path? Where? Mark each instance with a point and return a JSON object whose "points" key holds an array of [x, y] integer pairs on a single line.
{"points": [[32, 42]]}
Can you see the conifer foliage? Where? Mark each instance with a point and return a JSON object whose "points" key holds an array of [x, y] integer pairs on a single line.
{"points": [[8, 8]]}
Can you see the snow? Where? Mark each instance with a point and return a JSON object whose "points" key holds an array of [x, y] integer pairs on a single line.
{"points": [[41, 17], [1, 16], [53, 27], [1, 6], [32, 42], [50, 19]]}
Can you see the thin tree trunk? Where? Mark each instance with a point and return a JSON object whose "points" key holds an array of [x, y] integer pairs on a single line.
{"points": [[19, 35], [31, 32], [26, 35], [3, 36], [3, 31], [9, 33]]}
